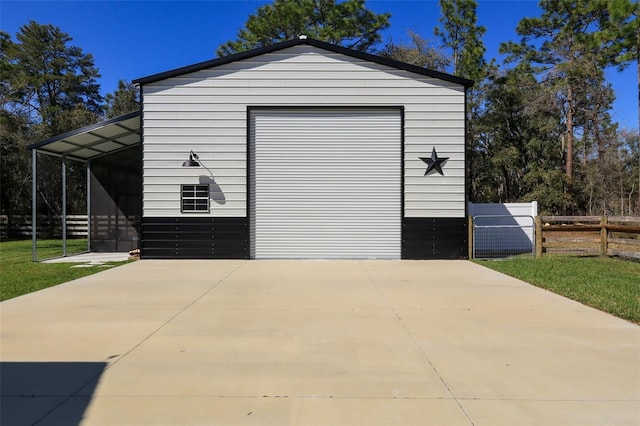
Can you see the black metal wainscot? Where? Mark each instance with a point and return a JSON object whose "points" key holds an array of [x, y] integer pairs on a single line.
{"points": [[434, 238], [195, 238]]}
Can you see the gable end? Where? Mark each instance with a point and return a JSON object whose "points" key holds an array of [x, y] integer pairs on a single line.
{"points": [[296, 42]]}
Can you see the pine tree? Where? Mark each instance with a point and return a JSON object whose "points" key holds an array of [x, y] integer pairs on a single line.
{"points": [[418, 52], [560, 44], [618, 37], [52, 79], [124, 100], [347, 23], [461, 34], [48, 87]]}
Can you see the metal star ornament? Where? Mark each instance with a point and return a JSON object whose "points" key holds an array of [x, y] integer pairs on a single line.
{"points": [[435, 163]]}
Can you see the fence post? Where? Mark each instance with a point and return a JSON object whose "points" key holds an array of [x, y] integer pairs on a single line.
{"points": [[603, 236], [470, 238], [538, 231]]}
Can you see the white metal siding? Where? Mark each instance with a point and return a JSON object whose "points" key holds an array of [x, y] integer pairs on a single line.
{"points": [[326, 184], [206, 111]]}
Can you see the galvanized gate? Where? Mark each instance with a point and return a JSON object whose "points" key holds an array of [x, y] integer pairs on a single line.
{"points": [[503, 236]]}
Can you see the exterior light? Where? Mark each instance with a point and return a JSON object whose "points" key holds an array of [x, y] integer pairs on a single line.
{"points": [[192, 161]]}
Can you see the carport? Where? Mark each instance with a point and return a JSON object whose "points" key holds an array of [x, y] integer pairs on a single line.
{"points": [[111, 152]]}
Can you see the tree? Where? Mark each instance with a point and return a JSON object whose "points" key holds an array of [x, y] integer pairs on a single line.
{"points": [[615, 191], [631, 146], [49, 87], [516, 158], [461, 34], [618, 38], [124, 100], [15, 171], [347, 23], [560, 45], [51, 78], [6, 69], [418, 52]]}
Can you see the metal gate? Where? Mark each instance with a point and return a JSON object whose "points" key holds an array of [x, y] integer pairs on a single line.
{"points": [[503, 236]]}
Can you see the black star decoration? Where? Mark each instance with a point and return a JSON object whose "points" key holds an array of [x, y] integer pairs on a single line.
{"points": [[434, 164]]}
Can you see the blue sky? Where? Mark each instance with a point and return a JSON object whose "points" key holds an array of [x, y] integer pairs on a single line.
{"points": [[132, 39]]}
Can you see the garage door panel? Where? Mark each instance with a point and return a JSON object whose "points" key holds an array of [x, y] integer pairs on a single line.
{"points": [[325, 184]]}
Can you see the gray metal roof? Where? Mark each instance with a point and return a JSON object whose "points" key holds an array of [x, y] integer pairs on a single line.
{"points": [[95, 140]]}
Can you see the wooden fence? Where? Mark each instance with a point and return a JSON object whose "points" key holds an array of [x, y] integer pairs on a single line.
{"points": [[555, 235], [588, 236], [19, 226]]}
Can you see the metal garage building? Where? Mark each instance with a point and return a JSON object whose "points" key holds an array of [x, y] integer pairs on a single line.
{"points": [[303, 149]]}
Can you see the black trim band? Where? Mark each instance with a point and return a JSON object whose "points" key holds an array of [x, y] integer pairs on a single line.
{"points": [[195, 238], [434, 238]]}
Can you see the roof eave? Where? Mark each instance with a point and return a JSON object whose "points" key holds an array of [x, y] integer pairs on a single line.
{"points": [[85, 129], [295, 42], [216, 62]]}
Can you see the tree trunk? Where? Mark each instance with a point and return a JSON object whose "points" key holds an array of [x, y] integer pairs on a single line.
{"points": [[569, 160]]}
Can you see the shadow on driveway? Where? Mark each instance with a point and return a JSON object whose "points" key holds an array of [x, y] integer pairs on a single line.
{"points": [[30, 391]]}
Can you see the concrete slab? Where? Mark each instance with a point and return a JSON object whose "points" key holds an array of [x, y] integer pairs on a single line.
{"points": [[272, 411], [312, 342], [90, 259]]}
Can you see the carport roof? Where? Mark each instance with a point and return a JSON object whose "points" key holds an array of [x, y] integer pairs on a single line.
{"points": [[92, 141]]}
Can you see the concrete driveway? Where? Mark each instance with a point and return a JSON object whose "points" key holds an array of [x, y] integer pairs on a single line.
{"points": [[313, 343]]}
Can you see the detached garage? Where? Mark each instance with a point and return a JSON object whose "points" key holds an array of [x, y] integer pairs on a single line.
{"points": [[301, 149]]}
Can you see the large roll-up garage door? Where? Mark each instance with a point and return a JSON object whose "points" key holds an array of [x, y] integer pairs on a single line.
{"points": [[325, 183]]}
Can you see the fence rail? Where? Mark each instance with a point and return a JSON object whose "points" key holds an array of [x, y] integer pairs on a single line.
{"points": [[588, 236], [19, 226], [563, 235]]}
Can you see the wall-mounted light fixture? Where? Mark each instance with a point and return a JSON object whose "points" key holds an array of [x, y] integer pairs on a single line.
{"points": [[215, 192], [195, 161], [192, 161]]}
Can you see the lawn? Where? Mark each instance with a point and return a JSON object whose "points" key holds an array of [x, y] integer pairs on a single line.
{"points": [[19, 275], [609, 284]]}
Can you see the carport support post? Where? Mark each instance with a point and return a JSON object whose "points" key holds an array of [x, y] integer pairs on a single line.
{"points": [[470, 239], [34, 204], [64, 206], [89, 205]]}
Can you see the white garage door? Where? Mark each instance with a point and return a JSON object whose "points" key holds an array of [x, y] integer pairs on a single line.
{"points": [[325, 183]]}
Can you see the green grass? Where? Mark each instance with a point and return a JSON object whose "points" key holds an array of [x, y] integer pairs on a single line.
{"points": [[19, 275], [609, 284]]}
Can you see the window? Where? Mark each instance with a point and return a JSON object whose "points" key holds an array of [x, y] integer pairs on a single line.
{"points": [[195, 198]]}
